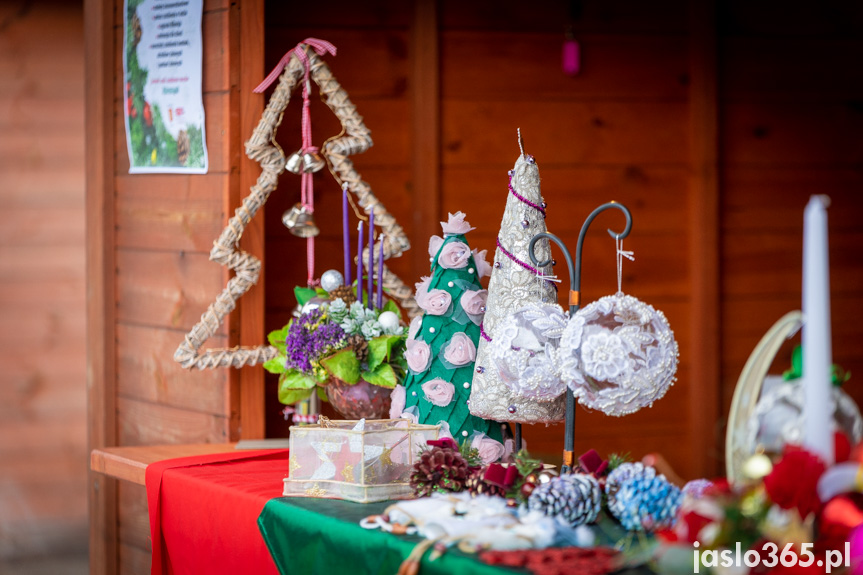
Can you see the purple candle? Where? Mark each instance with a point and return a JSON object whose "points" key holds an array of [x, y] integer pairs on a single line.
{"points": [[371, 270], [360, 263], [346, 242], [381, 274]]}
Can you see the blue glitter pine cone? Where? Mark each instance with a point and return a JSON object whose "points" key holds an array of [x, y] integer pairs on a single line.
{"points": [[641, 499]]}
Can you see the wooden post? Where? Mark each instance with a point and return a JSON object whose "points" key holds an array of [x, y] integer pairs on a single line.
{"points": [[247, 70], [99, 53], [704, 239], [425, 122]]}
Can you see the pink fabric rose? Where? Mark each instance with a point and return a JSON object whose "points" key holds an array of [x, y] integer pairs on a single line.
{"points": [[414, 328], [422, 289], [438, 392], [483, 269], [435, 302], [456, 225], [489, 449], [460, 350], [397, 399], [417, 355], [454, 256], [473, 302], [435, 242]]}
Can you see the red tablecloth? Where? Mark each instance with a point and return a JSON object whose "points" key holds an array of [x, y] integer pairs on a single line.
{"points": [[204, 512]]}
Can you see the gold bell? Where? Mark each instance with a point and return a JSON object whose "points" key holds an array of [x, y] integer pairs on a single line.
{"points": [[294, 164], [299, 222], [313, 162]]}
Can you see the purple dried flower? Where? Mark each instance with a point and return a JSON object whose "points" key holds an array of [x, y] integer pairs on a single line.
{"points": [[309, 338]]}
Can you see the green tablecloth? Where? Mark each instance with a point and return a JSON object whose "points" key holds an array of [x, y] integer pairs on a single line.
{"points": [[310, 536]]}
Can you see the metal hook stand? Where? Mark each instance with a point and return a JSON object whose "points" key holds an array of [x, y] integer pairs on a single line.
{"points": [[574, 304]]}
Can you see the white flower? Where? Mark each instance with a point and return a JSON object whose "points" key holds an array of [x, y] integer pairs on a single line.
{"points": [[338, 310], [371, 329], [350, 326], [358, 311], [604, 355]]}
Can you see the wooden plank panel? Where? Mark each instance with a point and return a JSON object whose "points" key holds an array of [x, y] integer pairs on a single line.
{"points": [[45, 226], [385, 117], [132, 560], [763, 263], [169, 224], [133, 519], [21, 436], [25, 113], [761, 67], [216, 116], [791, 133], [564, 132], [46, 263], [33, 293], [773, 199], [385, 14], [655, 196], [776, 18], [613, 67], [143, 423], [32, 392], [370, 63], [147, 371], [166, 289], [618, 16], [44, 187]]}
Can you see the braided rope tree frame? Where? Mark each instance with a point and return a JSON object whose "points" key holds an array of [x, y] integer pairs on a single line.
{"points": [[261, 147]]}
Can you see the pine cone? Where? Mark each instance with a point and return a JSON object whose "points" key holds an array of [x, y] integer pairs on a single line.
{"points": [[360, 345], [576, 497], [136, 29], [439, 469], [183, 147], [346, 293], [477, 486], [641, 499]]}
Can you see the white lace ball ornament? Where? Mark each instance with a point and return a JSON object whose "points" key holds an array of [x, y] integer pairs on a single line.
{"points": [[618, 355], [524, 351]]}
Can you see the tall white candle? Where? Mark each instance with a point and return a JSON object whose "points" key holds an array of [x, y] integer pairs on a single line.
{"points": [[817, 349]]}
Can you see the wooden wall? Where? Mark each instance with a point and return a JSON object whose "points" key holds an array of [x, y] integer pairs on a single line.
{"points": [[791, 115], [43, 465], [151, 236]]}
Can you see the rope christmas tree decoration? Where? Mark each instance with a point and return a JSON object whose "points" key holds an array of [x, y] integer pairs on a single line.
{"points": [[262, 148]]}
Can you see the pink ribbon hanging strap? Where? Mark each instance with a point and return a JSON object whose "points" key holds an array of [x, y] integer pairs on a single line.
{"points": [[320, 47]]}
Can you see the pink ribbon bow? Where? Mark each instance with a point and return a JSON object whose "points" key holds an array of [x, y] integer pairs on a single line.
{"points": [[321, 47]]}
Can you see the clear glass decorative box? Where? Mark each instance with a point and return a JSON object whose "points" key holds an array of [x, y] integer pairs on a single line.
{"points": [[362, 461]]}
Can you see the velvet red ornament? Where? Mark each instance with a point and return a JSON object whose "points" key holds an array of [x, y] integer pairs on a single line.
{"points": [[841, 447], [838, 518], [794, 479]]}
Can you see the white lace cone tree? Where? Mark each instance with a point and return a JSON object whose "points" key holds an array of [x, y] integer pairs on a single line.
{"points": [[514, 283]]}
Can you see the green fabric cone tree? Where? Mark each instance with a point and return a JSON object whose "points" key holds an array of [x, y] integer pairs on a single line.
{"points": [[441, 347]]}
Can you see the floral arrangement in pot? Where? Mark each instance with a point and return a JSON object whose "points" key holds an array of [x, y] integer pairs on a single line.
{"points": [[350, 354]]}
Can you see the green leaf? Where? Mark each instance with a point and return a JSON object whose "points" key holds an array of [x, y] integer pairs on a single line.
{"points": [[393, 307], [343, 365], [275, 365], [321, 292], [796, 370], [382, 376], [290, 396], [294, 386], [303, 295], [322, 394], [277, 338], [380, 349]]}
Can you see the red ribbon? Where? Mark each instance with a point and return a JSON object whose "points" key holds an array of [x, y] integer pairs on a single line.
{"points": [[592, 463], [319, 46], [503, 477], [444, 442]]}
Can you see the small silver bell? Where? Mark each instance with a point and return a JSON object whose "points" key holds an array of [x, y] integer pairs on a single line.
{"points": [[299, 222], [294, 163], [313, 162]]}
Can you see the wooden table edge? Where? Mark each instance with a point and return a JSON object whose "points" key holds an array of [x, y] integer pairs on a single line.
{"points": [[130, 463]]}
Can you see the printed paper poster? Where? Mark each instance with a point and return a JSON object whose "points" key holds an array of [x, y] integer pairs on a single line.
{"points": [[164, 110]]}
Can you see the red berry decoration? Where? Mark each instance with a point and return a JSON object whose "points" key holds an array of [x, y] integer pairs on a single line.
{"points": [[148, 115]]}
